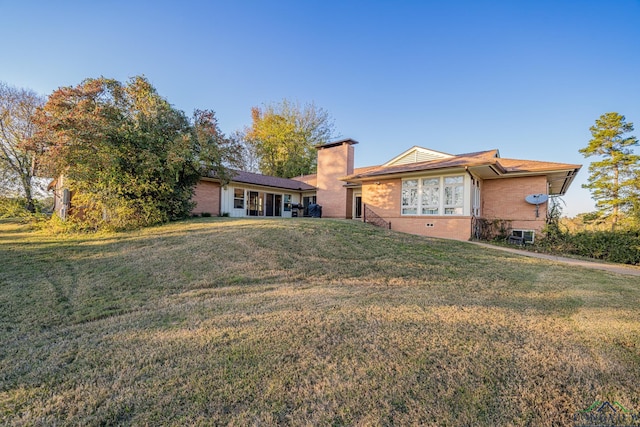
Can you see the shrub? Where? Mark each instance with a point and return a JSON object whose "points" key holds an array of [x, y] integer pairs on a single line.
{"points": [[613, 246], [15, 207], [492, 229], [12, 207]]}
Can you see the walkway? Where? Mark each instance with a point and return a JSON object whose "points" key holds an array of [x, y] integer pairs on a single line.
{"points": [[614, 268]]}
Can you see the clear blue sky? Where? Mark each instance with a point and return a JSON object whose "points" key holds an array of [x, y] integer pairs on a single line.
{"points": [[526, 77]]}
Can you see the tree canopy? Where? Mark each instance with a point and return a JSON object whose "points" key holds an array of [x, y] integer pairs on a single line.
{"points": [[285, 135], [130, 158], [613, 178], [17, 158]]}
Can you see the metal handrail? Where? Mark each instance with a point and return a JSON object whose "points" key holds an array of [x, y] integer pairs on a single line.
{"points": [[370, 217]]}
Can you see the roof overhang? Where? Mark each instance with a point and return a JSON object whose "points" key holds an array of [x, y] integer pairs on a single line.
{"points": [[559, 180], [301, 189]]}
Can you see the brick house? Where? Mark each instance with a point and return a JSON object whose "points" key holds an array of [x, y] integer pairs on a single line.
{"points": [[420, 191]]}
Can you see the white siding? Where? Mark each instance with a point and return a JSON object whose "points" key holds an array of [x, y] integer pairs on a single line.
{"points": [[227, 199], [416, 155]]}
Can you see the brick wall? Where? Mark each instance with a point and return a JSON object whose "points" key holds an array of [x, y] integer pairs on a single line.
{"points": [[207, 198], [504, 199], [449, 227], [334, 162], [384, 198]]}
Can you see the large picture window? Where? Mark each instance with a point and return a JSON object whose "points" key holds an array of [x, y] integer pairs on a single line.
{"points": [[433, 196]]}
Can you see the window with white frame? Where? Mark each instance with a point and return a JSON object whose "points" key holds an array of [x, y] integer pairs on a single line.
{"points": [[453, 195], [410, 197], [475, 198], [430, 196], [433, 196], [238, 198]]}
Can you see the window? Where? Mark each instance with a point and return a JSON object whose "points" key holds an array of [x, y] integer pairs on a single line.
{"points": [[526, 236], [475, 201], [430, 196], [238, 198], [264, 204], [410, 197], [453, 195], [287, 202], [433, 196]]}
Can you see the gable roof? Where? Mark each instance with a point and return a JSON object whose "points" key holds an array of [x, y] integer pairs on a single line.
{"points": [[483, 164], [417, 154], [462, 160], [266, 181]]}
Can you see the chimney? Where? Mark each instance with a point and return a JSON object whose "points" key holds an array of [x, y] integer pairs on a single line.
{"points": [[335, 160]]}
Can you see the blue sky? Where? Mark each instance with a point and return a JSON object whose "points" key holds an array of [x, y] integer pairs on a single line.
{"points": [[526, 77]]}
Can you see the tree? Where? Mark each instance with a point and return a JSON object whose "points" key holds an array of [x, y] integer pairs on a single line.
{"points": [[285, 136], [130, 157], [249, 158], [611, 179], [17, 159]]}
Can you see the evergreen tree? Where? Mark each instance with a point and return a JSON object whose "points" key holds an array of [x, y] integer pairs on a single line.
{"points": [[612, 178]]}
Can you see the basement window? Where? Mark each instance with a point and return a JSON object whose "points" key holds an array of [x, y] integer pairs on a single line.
{"points": [[524, 236]]}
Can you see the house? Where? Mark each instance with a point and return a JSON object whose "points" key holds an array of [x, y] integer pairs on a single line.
{"points": [[420, 191]]}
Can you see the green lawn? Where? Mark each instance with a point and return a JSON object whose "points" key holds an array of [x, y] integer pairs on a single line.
{"points": [[304, 322]]}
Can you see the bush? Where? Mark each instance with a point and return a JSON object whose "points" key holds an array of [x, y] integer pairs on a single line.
{"points": [[15, 207], [12, 207], [491, 229], [613, 246]]}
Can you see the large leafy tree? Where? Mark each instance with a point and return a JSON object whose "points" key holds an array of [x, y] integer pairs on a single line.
{"points": [[611, 179], [284, 136], [17, 158], [127, 154]]}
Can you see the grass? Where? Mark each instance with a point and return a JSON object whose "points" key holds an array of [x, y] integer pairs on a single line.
{"points": [[304, 322]]}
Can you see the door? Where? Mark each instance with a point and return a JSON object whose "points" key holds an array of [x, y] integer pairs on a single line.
{"points": [[357, 211], [256, 201], [277, 204], [306, 201], [269, 204]]}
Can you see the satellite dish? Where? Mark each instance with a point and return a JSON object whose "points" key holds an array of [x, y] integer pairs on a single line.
{"points": [[536, 199]]}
